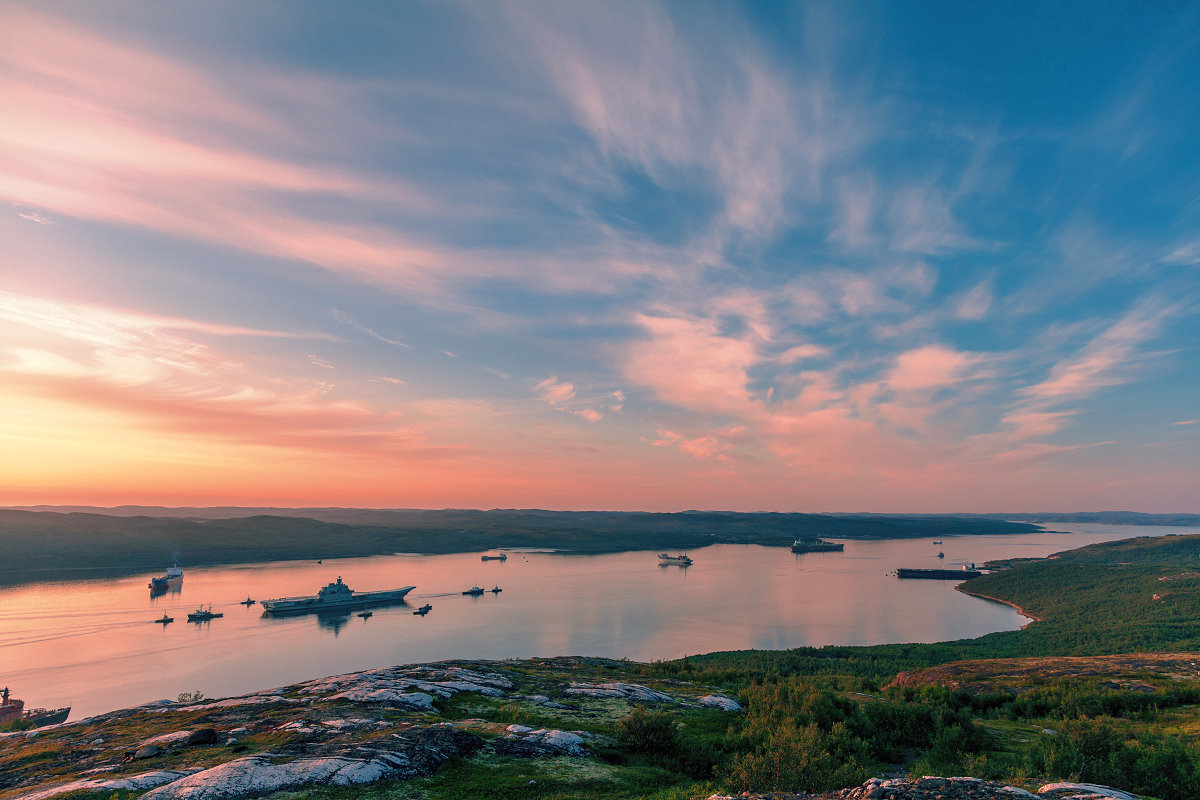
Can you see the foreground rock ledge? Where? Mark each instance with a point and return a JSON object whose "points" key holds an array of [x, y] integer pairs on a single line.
{"points": [[343, 730], [383, 724], [935, 788]]}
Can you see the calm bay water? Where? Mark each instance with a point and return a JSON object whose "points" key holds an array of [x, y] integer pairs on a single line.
{"points": [[92, 645]]}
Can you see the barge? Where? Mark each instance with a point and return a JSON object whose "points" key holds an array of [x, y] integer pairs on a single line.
{"points": [[813, 545], [940, 574]]}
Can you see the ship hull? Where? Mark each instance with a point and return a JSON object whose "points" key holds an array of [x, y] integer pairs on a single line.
{"points": [[823, 547], [304, 605], [938, 574]]}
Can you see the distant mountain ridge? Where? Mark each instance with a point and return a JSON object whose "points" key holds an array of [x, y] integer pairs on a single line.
{"points": [[385, 516], [56, 544]]}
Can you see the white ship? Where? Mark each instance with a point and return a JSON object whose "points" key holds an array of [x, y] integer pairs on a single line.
{"points": [[681, 559], [334, 595]]}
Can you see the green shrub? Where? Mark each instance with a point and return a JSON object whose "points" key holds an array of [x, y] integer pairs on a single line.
{"points": [[648, 732]]}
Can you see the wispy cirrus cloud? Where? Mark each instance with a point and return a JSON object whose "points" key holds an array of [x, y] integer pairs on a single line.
{"points": [[1104, 360], [660, 101], [346, 319]]}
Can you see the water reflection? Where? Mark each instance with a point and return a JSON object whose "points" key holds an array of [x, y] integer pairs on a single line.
{"points": [[94, 645]]}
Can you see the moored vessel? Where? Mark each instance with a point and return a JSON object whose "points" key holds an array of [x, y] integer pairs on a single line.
{"points": [[940, 574], [814, 545], [13, 710], [334, 595]]}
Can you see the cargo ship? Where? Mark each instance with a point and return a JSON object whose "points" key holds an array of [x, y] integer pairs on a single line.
{"points": [[681, 559], [811, 545], [174, 573], [940, 574], [331, 596]]}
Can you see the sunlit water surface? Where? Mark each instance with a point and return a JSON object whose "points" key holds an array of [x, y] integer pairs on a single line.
{"points": [[92, 645]]}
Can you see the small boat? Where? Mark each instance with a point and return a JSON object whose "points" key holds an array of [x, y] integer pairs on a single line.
{"points": [[165, 619], [423, 610], [937, 541], [365, 614], [474, 590], [681, 559], [501, 557], [941, 555], [247, 602], [203, 614], [496, 590]]}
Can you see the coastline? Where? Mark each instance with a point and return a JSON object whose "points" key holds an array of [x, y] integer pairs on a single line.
{"points": [[1020, 610]]}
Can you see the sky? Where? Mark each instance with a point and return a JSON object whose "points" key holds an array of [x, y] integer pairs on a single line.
{"points": [[892, 257]]}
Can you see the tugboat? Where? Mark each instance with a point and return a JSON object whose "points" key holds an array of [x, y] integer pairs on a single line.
{"points": [[334, 595], [203, 614], [681, 559], [165, 619], [496, 590], [13, 710], [247, 602], [475, 591], [423, 610]]}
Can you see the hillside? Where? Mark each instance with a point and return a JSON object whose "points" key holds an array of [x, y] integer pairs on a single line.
{"points": [[41, 545]]}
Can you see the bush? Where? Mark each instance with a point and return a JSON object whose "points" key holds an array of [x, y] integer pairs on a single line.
{"points": [[648, 732]]}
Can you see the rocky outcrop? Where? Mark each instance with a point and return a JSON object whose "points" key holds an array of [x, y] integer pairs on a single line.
{"points": [[629, 691], [420, 752], [720, 701], [525, 741], [935, 788], [1083, 791], [432, 680], [135, 783]]}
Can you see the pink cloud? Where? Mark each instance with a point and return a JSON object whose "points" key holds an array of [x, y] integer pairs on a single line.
{"points": [[554, 391], [931, 367], [688, 363], [1036, 424]]}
